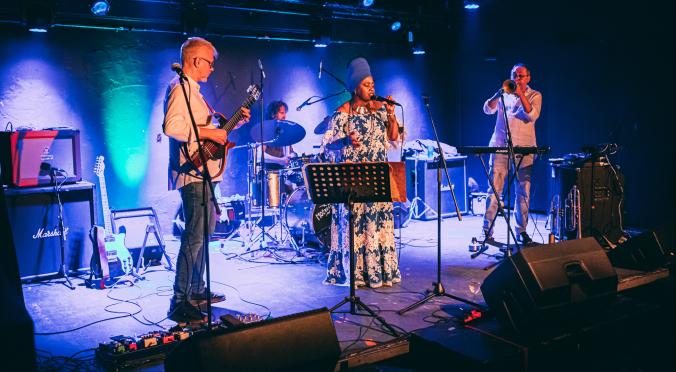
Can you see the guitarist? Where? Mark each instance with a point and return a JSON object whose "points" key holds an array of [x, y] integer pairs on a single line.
{"points": [[198, 57]]}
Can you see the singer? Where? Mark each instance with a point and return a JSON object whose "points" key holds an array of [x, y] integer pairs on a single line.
{"points": [[198, 57], [360, 130], [523, 109]]}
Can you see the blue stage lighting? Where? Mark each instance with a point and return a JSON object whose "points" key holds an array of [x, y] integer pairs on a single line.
{"points": [[396, 25], [367, 3], [471, 5], [100, 7]]}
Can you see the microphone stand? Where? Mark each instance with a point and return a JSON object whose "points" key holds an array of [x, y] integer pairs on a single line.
{"points": [[438, 288], [63, 270], [264, 175], [307, 102], [511, 159], [207, 182]]}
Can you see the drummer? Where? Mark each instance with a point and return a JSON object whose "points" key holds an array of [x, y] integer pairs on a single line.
{"points": [[277, 157]]}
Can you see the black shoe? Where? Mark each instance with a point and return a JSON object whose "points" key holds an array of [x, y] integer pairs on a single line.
{"points": [[525, 239], [184, 312], [199, 299]]}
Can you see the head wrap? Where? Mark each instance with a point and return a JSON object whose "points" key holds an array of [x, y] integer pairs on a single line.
{"points": [[357, 70]]}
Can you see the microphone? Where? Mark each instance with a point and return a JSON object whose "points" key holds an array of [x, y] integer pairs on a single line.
{"points": [[383, 99], [260, 66], [175, 67], [319, 76], [302, 104]]}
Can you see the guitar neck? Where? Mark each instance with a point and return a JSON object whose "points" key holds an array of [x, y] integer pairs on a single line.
{"points": [[106, 208], [232, 122]]}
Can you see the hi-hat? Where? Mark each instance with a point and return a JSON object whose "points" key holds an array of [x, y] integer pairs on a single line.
{"points": [[322, 127], [278, 133]]}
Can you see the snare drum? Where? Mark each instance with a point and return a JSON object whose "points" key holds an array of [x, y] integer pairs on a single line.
{"points": [[303, 217]]}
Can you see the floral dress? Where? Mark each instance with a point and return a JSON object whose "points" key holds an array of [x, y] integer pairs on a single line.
{"points": [[375, 255]]}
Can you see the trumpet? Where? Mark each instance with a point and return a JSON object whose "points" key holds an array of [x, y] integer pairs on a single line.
{"points": [[509, 86]]}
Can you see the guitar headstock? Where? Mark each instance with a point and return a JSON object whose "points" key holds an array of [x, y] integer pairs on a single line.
{"points": [[99, 166], [254, 91]]}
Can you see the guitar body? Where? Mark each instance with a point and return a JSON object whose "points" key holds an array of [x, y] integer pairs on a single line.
{"points": [[214, 151], [111, 259]]}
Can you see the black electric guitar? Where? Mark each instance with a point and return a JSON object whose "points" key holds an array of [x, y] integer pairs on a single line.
{"points": [[113, 256], [215, 151]]}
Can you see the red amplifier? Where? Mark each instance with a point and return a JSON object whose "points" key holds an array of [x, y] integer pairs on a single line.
{"points": [[40, 157]]}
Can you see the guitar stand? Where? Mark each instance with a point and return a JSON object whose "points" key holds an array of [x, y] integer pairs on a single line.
{"points": [[151, 229]]}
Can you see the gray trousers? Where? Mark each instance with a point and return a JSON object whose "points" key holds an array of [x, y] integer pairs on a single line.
{"points": [[191, 263], [521, 186]]}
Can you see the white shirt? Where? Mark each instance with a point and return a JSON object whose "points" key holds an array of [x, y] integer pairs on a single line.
{"points": [[178, 127], [521, 123]]}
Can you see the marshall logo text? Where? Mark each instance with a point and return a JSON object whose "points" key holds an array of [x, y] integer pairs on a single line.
{"points": [[42, 234]]}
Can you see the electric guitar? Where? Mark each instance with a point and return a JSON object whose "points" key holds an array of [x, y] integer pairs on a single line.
{"points": [[113, 256], [215, 151]]}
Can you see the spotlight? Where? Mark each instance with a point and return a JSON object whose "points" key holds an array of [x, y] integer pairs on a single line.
{"points": [[471, 5], [322, 41], [395, 26], [99, 7], [39, 14], [418, 49], [367, 3]]}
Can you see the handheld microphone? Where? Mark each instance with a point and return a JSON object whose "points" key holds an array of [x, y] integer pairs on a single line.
{"points": [[321, 62], [383, 99], [176, 67]]}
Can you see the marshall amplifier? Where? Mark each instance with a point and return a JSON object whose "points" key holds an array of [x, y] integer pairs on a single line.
{"points": [[34, 157], [34, 220]]}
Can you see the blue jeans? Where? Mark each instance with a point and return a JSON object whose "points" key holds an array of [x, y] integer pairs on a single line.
{"points": [[191, 263], [522, 183]]}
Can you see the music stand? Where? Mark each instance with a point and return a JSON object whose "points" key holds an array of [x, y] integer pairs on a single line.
{"points": [[349, 183]]}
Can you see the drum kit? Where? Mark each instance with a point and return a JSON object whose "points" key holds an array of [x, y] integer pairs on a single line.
{"points": [[296, 220]]}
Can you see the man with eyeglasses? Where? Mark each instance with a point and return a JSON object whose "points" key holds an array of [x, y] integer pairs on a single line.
{"points": [[197, 56], [523, 109]]}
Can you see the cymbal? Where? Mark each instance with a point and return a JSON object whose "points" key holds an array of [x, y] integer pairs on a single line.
{"points": [[278, 133], [322, 127], [241, 136]]}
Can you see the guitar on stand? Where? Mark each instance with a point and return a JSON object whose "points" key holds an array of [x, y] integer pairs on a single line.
{"points": [[111, 258]]}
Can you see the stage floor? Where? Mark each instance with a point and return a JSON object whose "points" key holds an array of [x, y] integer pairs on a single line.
{"points": [[71, 321]]}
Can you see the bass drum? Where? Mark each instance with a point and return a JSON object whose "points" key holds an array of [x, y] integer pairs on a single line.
{"points": [[304, 218]]}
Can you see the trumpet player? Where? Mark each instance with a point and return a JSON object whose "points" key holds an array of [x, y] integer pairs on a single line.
{"points": [[521, 108]]}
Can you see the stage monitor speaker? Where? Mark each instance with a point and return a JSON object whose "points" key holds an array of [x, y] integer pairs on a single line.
{"points": [[34, 216], [545, 288], [647, 251], [303, 341], [133, 223], [421, 181], [33, 157]]}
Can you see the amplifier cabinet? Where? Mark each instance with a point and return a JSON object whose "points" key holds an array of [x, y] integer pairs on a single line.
{"points": [[421, 182], [34, 219], [33, 157]]}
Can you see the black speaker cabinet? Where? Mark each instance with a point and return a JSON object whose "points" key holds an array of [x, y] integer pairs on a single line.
{"points": [[548, 287], [421, 182], [34, 213], [134, 223], [303, 341], [598, 184], [647, 251]]}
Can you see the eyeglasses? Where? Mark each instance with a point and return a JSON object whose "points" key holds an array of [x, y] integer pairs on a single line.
{"points": [[519, 76], [211, 63]]}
